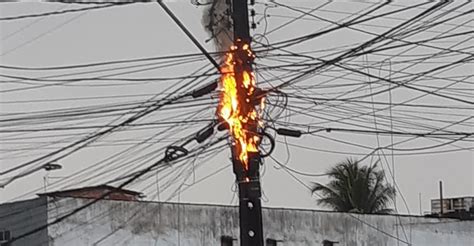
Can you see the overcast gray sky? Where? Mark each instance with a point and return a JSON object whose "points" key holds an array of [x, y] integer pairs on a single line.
{"points": [[144, 30]]}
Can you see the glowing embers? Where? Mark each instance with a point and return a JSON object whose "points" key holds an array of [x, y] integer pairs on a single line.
{"points": [[237, 104]]}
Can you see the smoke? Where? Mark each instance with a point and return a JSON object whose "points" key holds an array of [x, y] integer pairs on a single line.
{"points": [[216, 20]]}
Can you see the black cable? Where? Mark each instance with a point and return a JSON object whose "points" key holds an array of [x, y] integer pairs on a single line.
{"points": [[190, 36], [349, 214], [177, 85], [366, 44], [133, 178], [404, 84], [105, 63], [307, 37], [108, 5], [95, 136]]}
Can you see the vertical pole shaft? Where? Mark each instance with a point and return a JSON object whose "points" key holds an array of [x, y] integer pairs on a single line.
{"points": [[240, 17], [248, 178], [441, 197], [250, 207]]}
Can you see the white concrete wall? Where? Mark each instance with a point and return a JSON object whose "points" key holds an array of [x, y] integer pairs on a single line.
{"points": [[167, 224]]}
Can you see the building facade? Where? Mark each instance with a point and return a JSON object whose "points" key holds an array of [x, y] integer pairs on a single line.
{"points": [[134, 222], [457, 207], [452, 205]]}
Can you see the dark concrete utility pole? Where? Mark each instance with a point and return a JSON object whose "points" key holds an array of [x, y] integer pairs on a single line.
{"points": [[441, 198], [248, 178]]}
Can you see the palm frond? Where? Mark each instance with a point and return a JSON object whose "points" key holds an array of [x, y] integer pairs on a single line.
{"points": [[355, 188]]}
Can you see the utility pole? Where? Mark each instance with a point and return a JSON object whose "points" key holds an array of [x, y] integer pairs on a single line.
{"points": [[441, 198], [247, 174]]}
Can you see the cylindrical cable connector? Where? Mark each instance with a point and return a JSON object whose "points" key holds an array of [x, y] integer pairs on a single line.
{"points": [[204, 90], [205, 134], [289, 132]]}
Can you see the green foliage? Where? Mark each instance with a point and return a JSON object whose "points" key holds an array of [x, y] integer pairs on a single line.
{"points": [[355, 188]]}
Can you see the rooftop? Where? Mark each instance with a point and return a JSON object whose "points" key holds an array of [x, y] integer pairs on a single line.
{"points": [[95, 192]]}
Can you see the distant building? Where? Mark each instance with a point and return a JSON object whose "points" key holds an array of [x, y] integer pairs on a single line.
{"points": [[124, 219], [458, 207]]}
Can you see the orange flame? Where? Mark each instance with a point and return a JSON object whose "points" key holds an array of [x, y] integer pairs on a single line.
{"points": [[236, 103]]}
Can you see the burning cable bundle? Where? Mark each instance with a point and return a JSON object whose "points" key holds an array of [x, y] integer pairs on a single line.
{"points": [[239, 101]]}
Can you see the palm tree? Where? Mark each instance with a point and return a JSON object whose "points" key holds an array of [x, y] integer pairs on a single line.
{"points": [[355, 188]]}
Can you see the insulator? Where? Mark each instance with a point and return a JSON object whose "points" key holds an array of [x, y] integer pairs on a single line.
{"points": [[204, 90], [203, 135], [289, 132]]}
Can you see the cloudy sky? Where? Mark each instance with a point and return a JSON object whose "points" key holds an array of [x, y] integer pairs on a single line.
{"points": [[35, 112]]}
